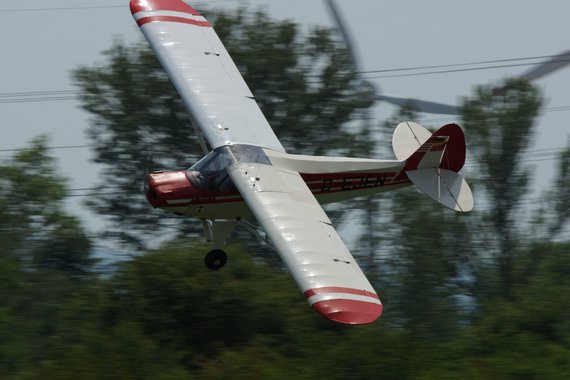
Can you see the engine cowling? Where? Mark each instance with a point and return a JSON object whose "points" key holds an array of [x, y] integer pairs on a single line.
{"points": [[168, 188]]}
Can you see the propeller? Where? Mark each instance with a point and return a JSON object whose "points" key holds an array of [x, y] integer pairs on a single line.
{"points": [[543, 69]]}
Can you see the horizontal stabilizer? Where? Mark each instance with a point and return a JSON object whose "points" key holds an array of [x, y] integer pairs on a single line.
{"points": [[444, 186], [408, 137]]}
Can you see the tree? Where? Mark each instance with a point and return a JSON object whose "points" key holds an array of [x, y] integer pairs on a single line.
{"points": [[44, 256], [500, 125], [34, 228], [560, 196], [304, 85]]}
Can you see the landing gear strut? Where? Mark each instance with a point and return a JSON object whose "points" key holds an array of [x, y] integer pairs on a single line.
{"points": [[217, 232], [215, 259]]}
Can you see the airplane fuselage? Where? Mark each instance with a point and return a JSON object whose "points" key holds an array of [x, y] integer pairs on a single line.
{"points": [[176, 191]]}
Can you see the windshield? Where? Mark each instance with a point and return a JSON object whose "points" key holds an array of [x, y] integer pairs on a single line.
{"points": [[210, 172], [225, 156], [213, 162]]}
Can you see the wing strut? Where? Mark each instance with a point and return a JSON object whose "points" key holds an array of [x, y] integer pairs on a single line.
{"points": [[200, 137]]}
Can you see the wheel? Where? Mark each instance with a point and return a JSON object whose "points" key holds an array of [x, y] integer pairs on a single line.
{"points": [[215, 259]]}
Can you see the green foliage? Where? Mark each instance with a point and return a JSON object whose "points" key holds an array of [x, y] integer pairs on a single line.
{"points": [[34, 228], [162, 316], [500, 126], [139, 124], [428, 251], [560, 196], [173, 294], [527, 336], [44, 256]]}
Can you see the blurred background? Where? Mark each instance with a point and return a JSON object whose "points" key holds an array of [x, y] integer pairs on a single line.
{"points": [[94, 283]]}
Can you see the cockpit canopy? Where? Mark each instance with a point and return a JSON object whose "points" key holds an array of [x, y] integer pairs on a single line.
{"points": [[210, 172]]}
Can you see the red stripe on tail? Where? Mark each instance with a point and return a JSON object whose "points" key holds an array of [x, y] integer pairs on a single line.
{"points": [[454, 156]]}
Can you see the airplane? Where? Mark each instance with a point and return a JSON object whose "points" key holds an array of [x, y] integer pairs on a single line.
{"points": [[248, 172]]}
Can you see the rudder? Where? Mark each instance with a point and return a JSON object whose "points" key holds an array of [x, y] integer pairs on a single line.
{"points": [[432, 162]]}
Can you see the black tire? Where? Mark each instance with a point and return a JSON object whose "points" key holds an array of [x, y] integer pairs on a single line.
{"points": [[215, 259]]}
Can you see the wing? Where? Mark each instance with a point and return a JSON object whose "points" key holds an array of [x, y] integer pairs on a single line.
{"points": [[222, 106], [304, 237], [211, 87]]}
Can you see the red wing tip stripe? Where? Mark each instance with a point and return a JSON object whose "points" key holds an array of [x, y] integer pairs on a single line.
{"points": [[336, 289], [349, 312], [164, 5], [146, 20]]}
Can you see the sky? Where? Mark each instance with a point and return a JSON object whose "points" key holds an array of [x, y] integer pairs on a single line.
{"points": [[42, 41]]}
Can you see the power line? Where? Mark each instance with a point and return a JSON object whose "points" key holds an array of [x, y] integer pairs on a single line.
{"points": [[542, 110], [466, 64], [8, 150], [38, 96], [38, 99], [537, 153], [458, 70], [35, 93], [48, 96], [66, 95], [91, 7]]}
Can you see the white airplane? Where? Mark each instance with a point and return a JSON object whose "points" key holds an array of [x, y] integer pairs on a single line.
{"points": [[248, 173]]}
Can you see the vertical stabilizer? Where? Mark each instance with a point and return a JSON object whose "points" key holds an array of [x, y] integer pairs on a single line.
{"points": [[432, 162]]}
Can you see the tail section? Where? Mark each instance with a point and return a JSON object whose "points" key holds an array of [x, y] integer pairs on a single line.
{"points": [[432, 162]]}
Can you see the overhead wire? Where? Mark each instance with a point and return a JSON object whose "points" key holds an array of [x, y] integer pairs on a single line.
{"points": [[528, 155], [441, 66], [449, 71], [445, 120], [32, 96], [38, 96], [87, 7], [50, 9], [10, 150]]}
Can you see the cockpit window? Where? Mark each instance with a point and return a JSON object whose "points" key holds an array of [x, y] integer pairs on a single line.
{"points": [[213, 162], [210, 172], [225, 156]]}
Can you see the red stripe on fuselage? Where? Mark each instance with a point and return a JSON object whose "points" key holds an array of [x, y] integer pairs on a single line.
{"points": [[319, 184], [337, 176], [182, 20], [327, 182], [162, 5]]}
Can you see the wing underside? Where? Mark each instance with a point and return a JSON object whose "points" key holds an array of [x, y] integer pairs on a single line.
{"points": [[308, 244], [219, 101]]}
